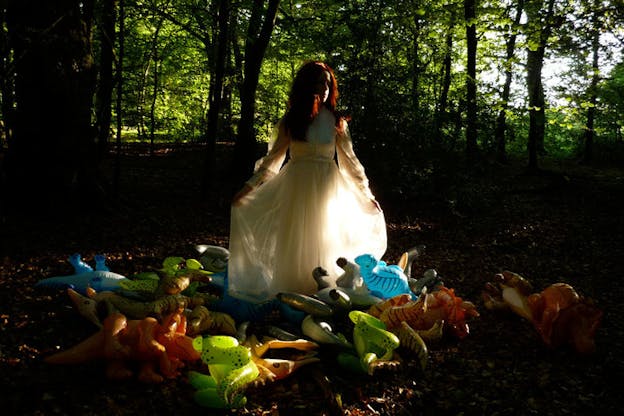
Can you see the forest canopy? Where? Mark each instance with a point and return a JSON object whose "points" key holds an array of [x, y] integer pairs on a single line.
{"points": [[526, 78]]}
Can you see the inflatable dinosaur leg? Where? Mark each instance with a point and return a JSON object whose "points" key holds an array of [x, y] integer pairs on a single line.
{"points": [[167, 366], [103, 344], [201, 381], [206, 394], [208, 397], [230, 389], [148, 374], [146, 342]]}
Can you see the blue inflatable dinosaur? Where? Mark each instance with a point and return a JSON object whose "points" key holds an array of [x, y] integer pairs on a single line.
{"points": [[381, 279], [100, 279], [252, 310]]}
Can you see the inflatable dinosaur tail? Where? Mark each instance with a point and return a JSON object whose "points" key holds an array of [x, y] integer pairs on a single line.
{"points": [[103, 344], [87, 350]]}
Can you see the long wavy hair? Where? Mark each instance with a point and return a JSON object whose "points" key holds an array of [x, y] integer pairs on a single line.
{"points": [[304, 103]]}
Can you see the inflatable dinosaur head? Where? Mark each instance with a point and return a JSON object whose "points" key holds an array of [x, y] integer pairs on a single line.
{"points": [[366, 262], [222, 350]]}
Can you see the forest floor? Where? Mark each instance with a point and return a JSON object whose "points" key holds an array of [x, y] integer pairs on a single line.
{"points": [[564, 225]]}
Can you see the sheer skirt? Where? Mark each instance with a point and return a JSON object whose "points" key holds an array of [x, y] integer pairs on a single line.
{"points": [[308, 215]]}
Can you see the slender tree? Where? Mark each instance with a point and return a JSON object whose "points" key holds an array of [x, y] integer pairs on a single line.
{"points": [[121, 39], [501, 120], [596, 28], [261, 24], [442, 106], [540, 19], [470, 17], [416, 34], [216, 94], [155, 59], [366, 26], [104, 92]]}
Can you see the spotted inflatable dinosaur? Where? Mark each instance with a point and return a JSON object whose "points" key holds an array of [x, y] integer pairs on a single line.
{"points": [[231, 370]]}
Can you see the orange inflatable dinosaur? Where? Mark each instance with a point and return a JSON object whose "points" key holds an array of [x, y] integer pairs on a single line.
{"points": [[160, 348], [558, 313], [561, 316], [431, 308]]}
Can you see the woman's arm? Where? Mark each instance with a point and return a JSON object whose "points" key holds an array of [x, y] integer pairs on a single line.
{"points": [[349, 163], [269, 165]]}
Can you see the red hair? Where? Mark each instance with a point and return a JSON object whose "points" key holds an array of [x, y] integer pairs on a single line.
{"points": [[304, 103]]}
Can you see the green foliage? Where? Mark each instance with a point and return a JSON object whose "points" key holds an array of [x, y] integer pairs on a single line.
{"points": [[389, 58], [611, 96], [155, 43]]}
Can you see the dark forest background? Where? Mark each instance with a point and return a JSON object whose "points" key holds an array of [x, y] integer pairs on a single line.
{"points": [[483, 81], [491, 132]]}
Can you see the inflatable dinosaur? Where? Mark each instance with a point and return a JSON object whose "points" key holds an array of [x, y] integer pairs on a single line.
{"points": [[350, 290], [178, 275], [432, 308], [84, 276], [213, 258], [273, 369], [373, 344], [231, 370], [381, 279], [558, 313], [159, 348]]}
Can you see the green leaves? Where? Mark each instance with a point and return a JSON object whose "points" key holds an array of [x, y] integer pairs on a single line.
{"points": [[533, 45]]}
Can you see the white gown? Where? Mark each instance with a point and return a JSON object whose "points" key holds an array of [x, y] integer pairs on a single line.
{"points": [[305, 214]]}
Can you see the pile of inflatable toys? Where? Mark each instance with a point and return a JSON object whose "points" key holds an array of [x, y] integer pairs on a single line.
{"points": [[373, 314]]}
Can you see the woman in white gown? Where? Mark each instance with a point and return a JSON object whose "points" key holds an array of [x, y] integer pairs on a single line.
{"points": [[289, 219]]}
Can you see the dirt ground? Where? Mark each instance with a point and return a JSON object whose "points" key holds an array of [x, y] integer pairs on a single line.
{"points": [[565, 225]]}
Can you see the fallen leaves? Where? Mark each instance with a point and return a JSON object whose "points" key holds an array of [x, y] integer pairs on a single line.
{"points": [[500, 368]]}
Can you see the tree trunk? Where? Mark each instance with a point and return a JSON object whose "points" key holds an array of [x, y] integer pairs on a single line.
{"points": [[155, 78], [52, 162], [119, 98], [104, 93], [537, 118], [210, 34], [441, 108], [501, 120], [256, 43], [537, 39], [416, 70], [591, 110], [216, 97], [471, 78], [446, 76], [370, 61], [228, 92]]}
